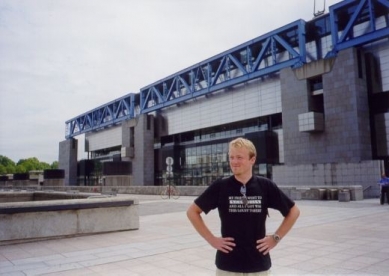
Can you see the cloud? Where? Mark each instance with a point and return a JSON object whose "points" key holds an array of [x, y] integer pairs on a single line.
{"points": [[61, 58]]}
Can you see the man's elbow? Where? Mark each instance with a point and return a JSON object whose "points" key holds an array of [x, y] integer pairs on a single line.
{"points": [[294, 213], [192, 212], [189, 213]]}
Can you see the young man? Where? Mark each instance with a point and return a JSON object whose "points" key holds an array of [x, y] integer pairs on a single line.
{"points": [[243, 201]]}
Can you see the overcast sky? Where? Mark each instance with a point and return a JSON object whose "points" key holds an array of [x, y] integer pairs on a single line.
{"points": [[61, 58]]}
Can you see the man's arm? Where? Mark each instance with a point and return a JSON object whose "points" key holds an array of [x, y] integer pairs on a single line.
{"points": [[223, 244], [268, 243]]}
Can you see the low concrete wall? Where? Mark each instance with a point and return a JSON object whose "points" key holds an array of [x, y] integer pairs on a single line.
{"points": [[141, 190], [19, 183], [32, 220], [323, 192], [54, 182], [296, 193], [27, 196], [364, 173], [117, 180]]}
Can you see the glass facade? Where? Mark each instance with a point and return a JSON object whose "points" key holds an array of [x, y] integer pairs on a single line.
{"points": [[201, 156], [107, 154]]}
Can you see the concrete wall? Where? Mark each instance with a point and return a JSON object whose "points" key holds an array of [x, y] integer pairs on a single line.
{"points": [[346, 137], [340, 154], [67, 160], [311, 192], [19, 222], [24, 196], [364, 173], [117, 180], [54, 182], [138, 138]]}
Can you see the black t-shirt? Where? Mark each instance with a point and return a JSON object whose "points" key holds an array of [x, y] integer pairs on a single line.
{"points": [[245, 224]]}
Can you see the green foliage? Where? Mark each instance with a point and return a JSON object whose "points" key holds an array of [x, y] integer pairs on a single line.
{"points": [[3, 169], [7, 166], [20, 169], [54, 165], [5, 161]]}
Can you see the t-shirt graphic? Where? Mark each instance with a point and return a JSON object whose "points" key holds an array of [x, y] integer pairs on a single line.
{"points": [[236, 205]]}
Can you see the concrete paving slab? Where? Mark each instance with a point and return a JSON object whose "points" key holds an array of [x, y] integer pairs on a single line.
{"points": [[330, 238]]}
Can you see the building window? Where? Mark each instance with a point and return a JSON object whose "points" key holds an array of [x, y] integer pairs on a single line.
{"points": [[148, 122], [132, 137], [315, 94], [204, 153]]}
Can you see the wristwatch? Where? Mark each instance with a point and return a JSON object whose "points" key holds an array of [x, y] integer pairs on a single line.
{"points": [[276, 237]]}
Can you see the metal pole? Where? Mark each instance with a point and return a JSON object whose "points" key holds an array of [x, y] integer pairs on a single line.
{"points": [[168, 186]]}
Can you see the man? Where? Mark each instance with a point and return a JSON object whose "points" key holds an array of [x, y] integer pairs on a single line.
{"points": [[242, 201], [384, 182]]}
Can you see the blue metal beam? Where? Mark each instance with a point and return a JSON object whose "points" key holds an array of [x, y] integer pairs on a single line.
{"points": [[356, 13], [230, 68], [106, 115]]}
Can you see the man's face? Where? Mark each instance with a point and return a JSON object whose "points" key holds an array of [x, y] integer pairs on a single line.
{"points": [[240, 161]]}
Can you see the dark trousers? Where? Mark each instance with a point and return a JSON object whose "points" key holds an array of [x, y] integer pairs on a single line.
{"points": [[384, 192]]}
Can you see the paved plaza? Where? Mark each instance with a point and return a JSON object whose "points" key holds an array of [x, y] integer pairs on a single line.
{"points": [[330, 238]]}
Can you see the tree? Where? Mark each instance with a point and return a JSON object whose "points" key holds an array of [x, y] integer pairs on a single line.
{"points": [[5, 161], [54, 165], [11, 169], [7, 166], [43, 166], [3, 169], [20, 169], [29, 164], [32, 164]]}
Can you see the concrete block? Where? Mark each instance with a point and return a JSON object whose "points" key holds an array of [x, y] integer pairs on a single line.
{"points": [[356, 193], [332, 194], [295, 194], [344, 196]]}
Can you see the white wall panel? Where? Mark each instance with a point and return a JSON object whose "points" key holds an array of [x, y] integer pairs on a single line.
{"points": [[111, 137], [381, 51], [384, 63], [243, 102]]}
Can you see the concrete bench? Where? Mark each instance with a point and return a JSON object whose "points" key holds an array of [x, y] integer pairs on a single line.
{"points": [[112, 192], [43, 219], [72, 191]]}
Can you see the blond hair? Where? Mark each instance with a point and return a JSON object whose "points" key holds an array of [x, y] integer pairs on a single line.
{"points": [[244, 143]]}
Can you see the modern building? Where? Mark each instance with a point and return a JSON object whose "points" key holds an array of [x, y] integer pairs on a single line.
{"points": [[312, 96]]}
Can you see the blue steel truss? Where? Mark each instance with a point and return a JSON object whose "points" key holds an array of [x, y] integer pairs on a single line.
{"points": [[261, 56], [106, 115], [352, 23]]}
